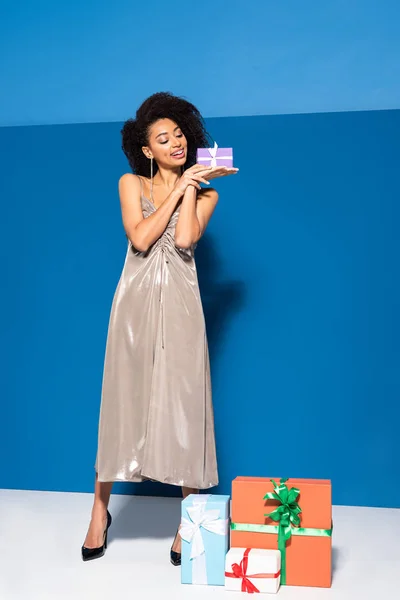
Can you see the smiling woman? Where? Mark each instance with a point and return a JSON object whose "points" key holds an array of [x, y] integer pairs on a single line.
{"points": [[156, 417], [135, 133]]}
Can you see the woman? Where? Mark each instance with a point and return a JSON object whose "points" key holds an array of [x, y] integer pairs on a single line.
{"points": [[156, 416]]}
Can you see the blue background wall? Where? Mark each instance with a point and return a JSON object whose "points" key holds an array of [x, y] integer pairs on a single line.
{"points": [[299, 275], [299, 268], [81, 61]]}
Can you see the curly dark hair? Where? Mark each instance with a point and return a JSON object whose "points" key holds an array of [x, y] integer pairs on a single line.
{"points": [[162, 105]]}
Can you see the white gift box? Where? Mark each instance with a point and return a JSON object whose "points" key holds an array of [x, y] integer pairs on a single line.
{"points": [[253, 570]]}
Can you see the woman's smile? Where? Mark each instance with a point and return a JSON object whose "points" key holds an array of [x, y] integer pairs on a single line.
{"points": [[178, 154]]}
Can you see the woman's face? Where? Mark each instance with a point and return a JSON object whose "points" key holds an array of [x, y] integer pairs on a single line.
{"points": [[167, 144]]}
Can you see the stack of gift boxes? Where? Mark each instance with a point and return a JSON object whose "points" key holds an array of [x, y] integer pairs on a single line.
{"points": [[279, 533]]}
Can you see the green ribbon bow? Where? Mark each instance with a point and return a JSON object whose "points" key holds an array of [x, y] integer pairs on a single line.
{"points": [[287, 515]]}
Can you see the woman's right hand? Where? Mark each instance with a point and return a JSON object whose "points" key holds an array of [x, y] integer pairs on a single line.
{"points": [[193, 176]]}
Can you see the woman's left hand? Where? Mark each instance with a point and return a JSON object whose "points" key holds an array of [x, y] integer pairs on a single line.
{"points": [[216, 172]]}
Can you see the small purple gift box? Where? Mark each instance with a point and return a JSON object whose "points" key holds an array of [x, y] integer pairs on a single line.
{"points": [[215, 157]]}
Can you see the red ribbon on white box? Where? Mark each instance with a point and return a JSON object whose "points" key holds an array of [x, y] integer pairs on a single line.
{"points": [[240, 572]]}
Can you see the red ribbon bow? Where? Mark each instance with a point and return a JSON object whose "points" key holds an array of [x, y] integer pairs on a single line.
{"points": [[240, 572]]}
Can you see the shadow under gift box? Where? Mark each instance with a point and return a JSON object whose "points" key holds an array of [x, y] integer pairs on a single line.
{"points": [[308, 557]]}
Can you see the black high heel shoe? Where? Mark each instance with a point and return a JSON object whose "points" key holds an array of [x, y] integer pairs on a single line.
{"points": [[176, 557], [92, 553]]}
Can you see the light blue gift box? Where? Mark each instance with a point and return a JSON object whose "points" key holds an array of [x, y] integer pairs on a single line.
{"points": [[205, 538]]}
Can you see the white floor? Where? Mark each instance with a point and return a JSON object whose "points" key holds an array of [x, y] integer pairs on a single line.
{"points": [[41, 534]]}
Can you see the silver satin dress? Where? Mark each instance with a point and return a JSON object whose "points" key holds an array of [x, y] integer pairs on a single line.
{"points": [[156, 414]]}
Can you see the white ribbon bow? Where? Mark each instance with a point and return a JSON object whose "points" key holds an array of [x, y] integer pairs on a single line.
{"points": [[190, 531], [213, 152]]}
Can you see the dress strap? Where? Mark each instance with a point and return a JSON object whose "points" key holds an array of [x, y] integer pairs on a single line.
{"points": [[141, 185]]}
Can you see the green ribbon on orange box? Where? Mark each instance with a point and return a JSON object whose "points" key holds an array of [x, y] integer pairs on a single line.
{"points": [[287, 514]]}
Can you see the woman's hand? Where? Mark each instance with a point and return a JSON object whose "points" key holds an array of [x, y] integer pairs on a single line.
{"points": [[193, 176], [215, 172]]}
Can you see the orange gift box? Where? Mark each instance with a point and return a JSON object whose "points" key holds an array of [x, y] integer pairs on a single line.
{"points": [[309, 549]]}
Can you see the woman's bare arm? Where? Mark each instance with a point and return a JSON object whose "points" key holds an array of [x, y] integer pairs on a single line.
{"points": [[143, 232], [194, 215], [188, 226]]}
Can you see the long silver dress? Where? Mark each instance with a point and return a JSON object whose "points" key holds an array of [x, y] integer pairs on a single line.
{"points": [[156, 415]]}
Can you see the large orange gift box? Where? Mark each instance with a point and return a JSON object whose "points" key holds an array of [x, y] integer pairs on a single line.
{"points": [[299, 524]]}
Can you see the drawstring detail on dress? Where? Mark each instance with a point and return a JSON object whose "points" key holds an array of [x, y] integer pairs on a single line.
{"points": [[164, 260]]}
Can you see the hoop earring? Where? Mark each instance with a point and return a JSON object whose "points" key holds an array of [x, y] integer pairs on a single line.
{"points": [[151, 178]]}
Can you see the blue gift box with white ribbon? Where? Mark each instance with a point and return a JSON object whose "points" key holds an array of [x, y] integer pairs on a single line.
{"points": [[205, 538]]}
